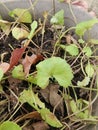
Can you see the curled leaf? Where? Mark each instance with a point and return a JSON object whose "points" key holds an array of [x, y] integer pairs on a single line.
{"points": [[27, 62], [16, 56], [19, 33], [30, 60], [84, 82]]}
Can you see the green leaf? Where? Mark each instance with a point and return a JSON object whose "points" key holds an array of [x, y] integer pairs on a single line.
{"points": [[85, 113], [84, 82], [1, 74], [18, 73], [72, 50], [50, 118], [81, 41], [33, 27], [19, 33], [82, 27], [73, 106], [9, 125], [89, 70], [76, 108], [87, 50], [31, 98], [23, 15], [58, 18], [54, 67], [5, 26], [32, 79], [61, 46]]}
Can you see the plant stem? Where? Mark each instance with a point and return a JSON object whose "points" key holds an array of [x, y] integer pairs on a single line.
{"points": [[58, 40]]}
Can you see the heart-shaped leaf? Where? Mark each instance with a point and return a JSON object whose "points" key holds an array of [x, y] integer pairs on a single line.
{"points": [[54, 67]]}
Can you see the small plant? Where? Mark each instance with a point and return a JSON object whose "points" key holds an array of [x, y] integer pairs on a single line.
{"points": [[47, 76]]}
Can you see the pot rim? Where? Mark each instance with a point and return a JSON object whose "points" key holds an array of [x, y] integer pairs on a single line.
{"points": [[80, 14]]}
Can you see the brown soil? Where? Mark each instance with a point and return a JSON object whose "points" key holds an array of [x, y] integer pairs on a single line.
{"points": [[12, 87]]}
